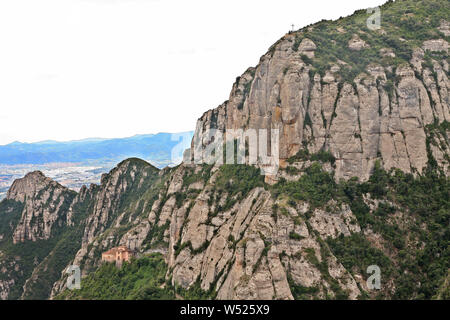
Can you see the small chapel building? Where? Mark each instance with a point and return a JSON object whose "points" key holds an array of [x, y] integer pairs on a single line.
{"points": [[118, 255]]}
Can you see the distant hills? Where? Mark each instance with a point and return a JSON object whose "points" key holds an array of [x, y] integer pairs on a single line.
{"points": [[152, 147]]}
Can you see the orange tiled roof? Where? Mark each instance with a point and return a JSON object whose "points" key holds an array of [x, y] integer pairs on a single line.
{"points": [[114, 250]]}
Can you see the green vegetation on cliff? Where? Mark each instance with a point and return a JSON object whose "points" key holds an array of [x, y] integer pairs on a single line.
{"points": [[404, 26], [401, 219], [410, 214], [141, 279]]}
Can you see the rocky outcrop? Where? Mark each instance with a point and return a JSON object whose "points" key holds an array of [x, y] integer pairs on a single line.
{"points": [[372, 118], [237, 239], [445, 27], [7, 281], [356, 43], [438, 45], [111, 208], [248, 251], [252, 250], [307, 47], [45, 206], [387, 52], [244, 252]]}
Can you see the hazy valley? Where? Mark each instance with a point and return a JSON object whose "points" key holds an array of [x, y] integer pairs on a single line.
{"points": [[78, 163]]}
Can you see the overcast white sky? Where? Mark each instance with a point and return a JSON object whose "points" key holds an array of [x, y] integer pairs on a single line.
{"points": [[72, 69]]}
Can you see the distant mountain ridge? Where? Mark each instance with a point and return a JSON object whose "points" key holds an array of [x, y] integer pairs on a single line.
{"points": [[147, 146]]}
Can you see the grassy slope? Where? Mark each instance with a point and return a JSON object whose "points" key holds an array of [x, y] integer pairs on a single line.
{"points": [[404, 27]]}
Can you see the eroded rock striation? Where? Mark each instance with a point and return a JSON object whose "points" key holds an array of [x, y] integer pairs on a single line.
{"points": [[380, 114]]}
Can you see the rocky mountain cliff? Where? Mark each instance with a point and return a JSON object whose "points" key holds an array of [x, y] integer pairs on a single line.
{"points": [[371, 107], [226, 234], [364, 95], [45, 204]]}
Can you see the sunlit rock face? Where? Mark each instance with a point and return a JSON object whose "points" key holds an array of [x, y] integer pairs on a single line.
{"points": [[359, 121]]}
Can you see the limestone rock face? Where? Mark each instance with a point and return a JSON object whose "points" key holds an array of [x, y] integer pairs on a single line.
{"points": [[248, 252], [436, 45], [307, 47], [107, 211], [387, 52], [45, 202], [445, 27], [371, 118], [255, 243], [356, 43], [8, 266], [5, 286], [28, 186], [333, 224]]}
